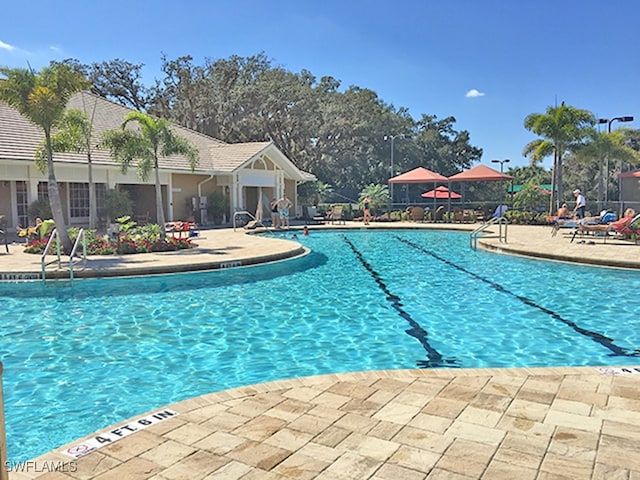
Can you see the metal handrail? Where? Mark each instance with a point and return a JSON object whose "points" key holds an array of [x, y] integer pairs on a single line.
{"points": [[54, 235], [82, 236], [502, 237]]}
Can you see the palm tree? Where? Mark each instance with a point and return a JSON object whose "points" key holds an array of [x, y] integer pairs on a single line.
{"points": [[604, 146], [378, 194], [562, 129], [42, 98], [73, 134], [153, 139]]}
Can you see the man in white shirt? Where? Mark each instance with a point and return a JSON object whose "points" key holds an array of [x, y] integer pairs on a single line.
{"points": [[581, 203]]}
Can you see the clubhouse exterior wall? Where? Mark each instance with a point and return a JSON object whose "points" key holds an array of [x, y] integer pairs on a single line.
{"points": [[240, 171]]}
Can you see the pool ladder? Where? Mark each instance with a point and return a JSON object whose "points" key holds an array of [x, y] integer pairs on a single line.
{"points": [[502, 236], [72, 260]]}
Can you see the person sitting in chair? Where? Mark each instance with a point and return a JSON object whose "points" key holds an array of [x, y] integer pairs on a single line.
{"points": [[40, 230], [616, 226]]}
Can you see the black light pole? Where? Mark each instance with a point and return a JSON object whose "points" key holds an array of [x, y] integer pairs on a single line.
{"points": [[600, 121], [392, 138], [609, 122], [501, 162]]}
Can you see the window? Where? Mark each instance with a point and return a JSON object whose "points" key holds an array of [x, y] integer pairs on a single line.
{"points": [[22, 203], [79, 200], [43, 191]]}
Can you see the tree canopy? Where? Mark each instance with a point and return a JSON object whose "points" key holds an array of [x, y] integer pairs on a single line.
{"points": [[333, 132]]}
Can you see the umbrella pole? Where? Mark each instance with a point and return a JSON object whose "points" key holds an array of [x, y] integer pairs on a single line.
{"points": [[433, 215]]}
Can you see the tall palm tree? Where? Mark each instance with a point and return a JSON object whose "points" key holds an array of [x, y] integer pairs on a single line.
{"points": [[73, 134], [42, 98], [145, 145], [562, 129]]}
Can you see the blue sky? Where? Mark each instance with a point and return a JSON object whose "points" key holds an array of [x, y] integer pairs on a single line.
{"points": [[519, 57]]}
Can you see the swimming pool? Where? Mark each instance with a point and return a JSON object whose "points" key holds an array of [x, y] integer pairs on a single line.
{"points": [[82, 358]]}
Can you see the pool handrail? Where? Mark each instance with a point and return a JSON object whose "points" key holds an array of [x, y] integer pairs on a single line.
{"points": [[54, 235], [81, 235], [479, 230]]}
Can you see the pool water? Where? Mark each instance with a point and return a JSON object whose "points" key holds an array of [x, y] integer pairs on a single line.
{"points": [[80, 358]]}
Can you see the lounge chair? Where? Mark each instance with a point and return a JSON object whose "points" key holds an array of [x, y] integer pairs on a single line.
{"points": [[181, 229], [312, 215], [632, 229], [439, 215], [624, 227], [337, 214], [500, 211], [583, 224]]}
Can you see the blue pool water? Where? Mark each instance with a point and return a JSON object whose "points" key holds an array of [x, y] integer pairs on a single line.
{"points": [[78, 359]]}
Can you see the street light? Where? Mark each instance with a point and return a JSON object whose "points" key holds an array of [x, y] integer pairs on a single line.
{"points": [[609, 122], [501, 162], [392, 138], [620, 119]]}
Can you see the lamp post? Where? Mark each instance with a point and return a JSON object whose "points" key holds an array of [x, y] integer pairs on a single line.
{"points": [[501, 162], [393, 138], [609, 122]]}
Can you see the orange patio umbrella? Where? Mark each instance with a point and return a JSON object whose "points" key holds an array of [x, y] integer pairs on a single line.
{"points": [[441, 192]]}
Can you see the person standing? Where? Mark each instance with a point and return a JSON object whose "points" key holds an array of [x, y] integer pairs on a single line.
{"points": [[581, 203], [366, 209], [275, 217], [283, 208]]}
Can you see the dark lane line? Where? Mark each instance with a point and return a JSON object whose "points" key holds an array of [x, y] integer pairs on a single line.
{"points": [[596, 337], [434, 358]]}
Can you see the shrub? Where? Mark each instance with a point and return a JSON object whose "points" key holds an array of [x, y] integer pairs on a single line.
{"points": [[136, 239]]}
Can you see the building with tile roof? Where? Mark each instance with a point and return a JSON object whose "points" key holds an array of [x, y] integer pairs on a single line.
{"points": [[242, 172]]}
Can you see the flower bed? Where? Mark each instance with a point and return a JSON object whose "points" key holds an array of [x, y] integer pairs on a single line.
{"points": [[133, 241]]}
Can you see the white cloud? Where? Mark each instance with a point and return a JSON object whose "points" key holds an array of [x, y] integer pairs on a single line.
{"points": [[473, 93], [6, 46]]}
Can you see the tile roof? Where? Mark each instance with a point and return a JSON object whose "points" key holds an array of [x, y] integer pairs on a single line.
{"points": [[19, 138]]}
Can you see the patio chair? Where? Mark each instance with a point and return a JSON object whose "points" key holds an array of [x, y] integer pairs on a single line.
{"points": [[337, 214], [416, 214], [143, 219]]}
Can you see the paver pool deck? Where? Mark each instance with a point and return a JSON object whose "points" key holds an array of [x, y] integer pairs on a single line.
{"points": [[538, 423]]}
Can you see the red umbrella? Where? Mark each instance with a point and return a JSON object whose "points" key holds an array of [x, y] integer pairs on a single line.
{"points": [[441, 192]]}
